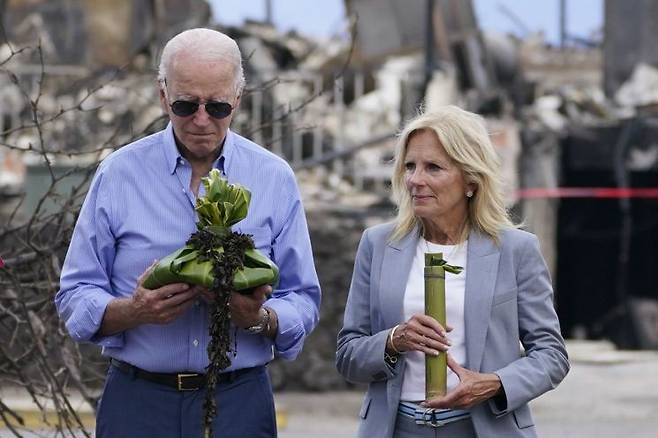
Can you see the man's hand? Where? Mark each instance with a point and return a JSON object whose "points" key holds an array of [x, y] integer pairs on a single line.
{"points": [[473, 389], [157, 306], [162, 305], [245, 308]]}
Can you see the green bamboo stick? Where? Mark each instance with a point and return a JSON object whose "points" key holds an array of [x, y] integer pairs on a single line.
{"points": [[436, 367]]}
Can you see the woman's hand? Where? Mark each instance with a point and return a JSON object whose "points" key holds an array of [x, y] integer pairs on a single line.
{"points": [[473, 389], [420, 333]]}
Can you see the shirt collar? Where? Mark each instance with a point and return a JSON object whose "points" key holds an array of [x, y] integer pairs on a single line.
{"points": [[173, 156], [223, 163]]}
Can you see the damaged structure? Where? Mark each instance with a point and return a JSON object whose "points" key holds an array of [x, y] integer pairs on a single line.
{"points": [[333, 109], [581, 164]]}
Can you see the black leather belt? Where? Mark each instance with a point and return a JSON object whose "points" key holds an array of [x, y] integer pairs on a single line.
{"points": [[186, 381]]}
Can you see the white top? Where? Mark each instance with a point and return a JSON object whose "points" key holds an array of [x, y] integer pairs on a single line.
{"points": [[413, 383]]}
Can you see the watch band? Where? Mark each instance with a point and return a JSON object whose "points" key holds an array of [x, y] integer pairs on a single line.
{"points": [[263, 324]]}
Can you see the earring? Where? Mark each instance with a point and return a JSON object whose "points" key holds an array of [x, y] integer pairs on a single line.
{"points": [[469, 194]]}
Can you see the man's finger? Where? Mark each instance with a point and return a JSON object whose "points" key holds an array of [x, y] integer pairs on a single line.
{"points": [[208, 295], [141, 278], [263, 291], [182, 297], [168, 290], [257, 295], [184, 306]]}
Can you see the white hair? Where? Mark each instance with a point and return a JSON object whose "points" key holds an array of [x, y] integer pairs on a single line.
{"points": [[205, 45]]}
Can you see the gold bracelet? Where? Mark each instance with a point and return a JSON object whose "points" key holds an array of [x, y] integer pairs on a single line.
{"points": [[390, 339]]}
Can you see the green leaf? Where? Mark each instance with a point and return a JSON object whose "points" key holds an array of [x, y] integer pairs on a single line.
{"points": [[437, 260], [224, 204]]}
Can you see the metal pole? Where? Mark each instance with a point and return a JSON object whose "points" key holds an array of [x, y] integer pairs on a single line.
{"points": [[429, 49], [339, 108], [268, 12], [563, 24]]}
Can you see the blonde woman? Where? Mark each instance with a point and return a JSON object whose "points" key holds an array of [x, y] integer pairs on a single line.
{"points": [[448, 192]]}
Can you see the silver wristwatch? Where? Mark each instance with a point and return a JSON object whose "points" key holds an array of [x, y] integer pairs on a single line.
{"points": [[263, 322]]}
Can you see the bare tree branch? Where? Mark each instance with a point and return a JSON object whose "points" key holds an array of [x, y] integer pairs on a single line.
{"points": [[67, 133]]}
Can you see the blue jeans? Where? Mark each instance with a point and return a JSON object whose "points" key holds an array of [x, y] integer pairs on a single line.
{"points": [[135, 408]]}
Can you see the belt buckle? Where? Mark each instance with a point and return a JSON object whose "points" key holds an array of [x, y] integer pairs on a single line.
{"points": [[434, 422], [427, 417], [180, 378]]}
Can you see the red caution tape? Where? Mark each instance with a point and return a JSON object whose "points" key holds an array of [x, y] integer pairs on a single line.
{"points": [[588, 192]]}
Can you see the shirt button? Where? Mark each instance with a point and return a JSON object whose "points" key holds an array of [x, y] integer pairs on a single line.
{"points": [[195, 342]]}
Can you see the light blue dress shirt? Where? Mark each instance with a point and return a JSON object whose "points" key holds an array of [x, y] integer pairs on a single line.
{"points": [[139, 208]]}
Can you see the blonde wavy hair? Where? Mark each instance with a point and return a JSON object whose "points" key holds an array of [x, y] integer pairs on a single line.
{"points": [[465, 139]]}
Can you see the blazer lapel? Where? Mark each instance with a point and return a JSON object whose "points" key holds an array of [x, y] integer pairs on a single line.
{"points": [[481, 272], [396, 264]]}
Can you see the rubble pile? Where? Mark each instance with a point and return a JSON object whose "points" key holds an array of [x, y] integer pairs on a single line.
{"points": [[335, 234], [332, 109]]}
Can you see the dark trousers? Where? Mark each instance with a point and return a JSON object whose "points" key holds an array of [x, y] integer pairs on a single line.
{"points": [[135, 408]]}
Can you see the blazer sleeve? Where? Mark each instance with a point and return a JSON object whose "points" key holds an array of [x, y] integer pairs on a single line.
{"points": [[360, 352], [545, 363]]}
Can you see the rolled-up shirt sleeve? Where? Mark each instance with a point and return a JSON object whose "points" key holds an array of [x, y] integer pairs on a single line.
{"points": [[85, 287], [296, 299]]}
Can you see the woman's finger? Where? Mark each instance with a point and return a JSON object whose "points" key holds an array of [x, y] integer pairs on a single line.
{"points": [[427, 324], [437, 337], [429, 337], [413, 335], [433, 344], [455, 367]]}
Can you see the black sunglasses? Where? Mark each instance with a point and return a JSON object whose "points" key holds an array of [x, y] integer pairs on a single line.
{"points": [[217, 110]]}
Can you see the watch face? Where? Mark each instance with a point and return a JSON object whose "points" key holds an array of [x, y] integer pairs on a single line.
{"points": [[255, 329]]}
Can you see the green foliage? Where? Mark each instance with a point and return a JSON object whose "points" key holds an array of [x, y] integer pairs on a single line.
{"points": [[224, 204]]}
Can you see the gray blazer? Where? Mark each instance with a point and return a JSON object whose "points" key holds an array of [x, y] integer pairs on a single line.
{"points": [[508, 298]]}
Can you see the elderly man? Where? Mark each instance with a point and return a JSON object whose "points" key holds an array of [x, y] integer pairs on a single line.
{"points": [[140, 207]]}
